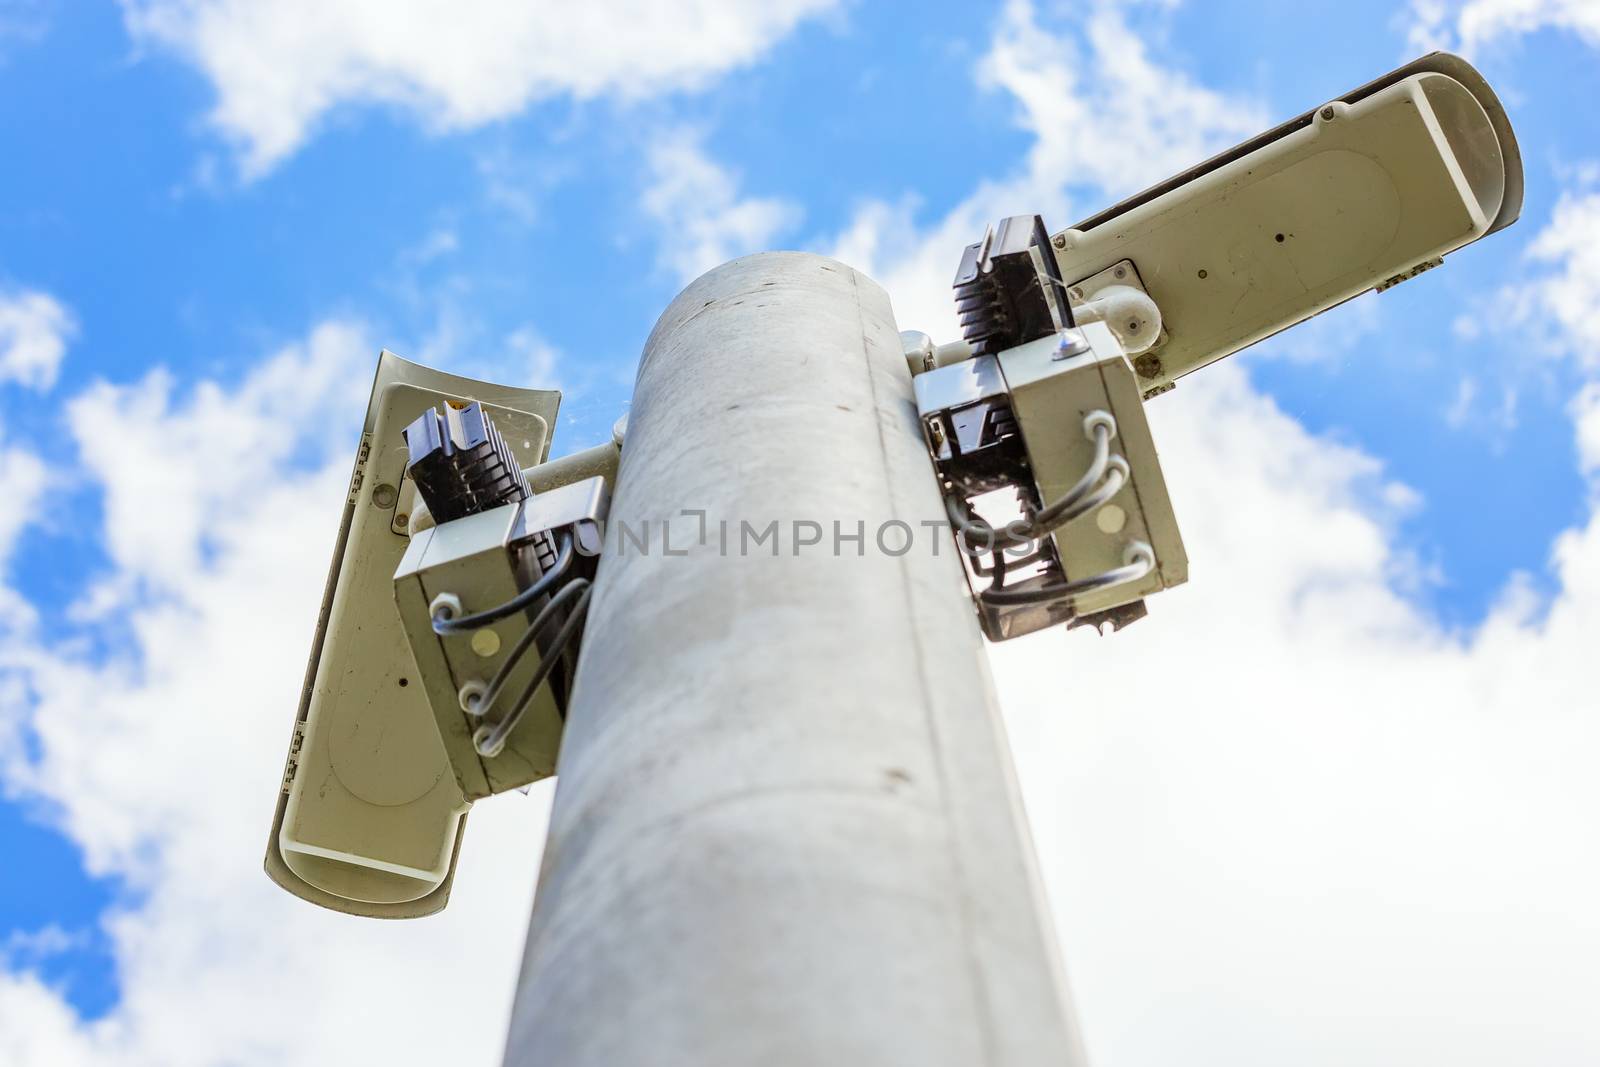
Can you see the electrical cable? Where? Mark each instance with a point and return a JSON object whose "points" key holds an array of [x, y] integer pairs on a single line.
{"points": [[444, 625], [1140, 561], [1100, 427], [489, 740], [1115, 480], [998, 570], [541, 621]]}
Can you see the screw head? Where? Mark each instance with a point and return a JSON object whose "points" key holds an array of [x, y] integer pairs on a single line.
{"points": [[1120, 272], [1069, 343], [1328, 113], [445, 605], [1060, 240], [384, 495]]}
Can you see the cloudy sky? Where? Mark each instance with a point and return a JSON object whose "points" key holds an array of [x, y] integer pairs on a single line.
{"points": [[1334, 802]]}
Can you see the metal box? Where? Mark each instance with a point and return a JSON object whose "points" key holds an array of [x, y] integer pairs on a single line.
{"points": [[1050, 396], [482, 561], [369, 817]]}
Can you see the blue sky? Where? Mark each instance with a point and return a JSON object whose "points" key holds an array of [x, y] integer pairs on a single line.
{"points": [[212, 215]]}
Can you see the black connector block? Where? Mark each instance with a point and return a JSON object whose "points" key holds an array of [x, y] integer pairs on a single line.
{"points": [[460, 463], [1008, 287]]}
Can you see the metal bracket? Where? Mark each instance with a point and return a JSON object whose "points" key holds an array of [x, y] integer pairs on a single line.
{"points": [[1148, 363]]}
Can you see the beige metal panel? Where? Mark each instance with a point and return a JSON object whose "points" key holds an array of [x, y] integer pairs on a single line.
{"points": [[785, 829], [368, 820], [469, 559], [1050, 397], [1365, 191]]}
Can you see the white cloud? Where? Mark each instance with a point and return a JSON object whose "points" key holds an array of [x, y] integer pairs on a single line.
{"points": [[22, 22], [279, 68], [21, 949], [532, 359], [696, 203], [1106, 120], [1460, 408], [1467, 26], [1561, 302], [34, 331], [1290, 817], [1586, 415], [509, 183], [1494, 416], [1293, 818], [161, 758], [25, 477]]}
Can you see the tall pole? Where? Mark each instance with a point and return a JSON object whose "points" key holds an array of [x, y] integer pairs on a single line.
{"points": [[786, 830]]}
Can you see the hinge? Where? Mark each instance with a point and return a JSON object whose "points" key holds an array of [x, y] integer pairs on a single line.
{"points": [[1407, 275], [293, 763], [361, 468]]}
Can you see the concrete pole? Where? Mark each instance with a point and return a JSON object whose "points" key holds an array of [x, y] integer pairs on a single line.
{"points": [[786, 830]]}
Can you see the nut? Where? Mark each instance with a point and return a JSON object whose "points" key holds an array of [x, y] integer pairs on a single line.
{"points": [[445, 605], [1147, 365], [471, 697]]}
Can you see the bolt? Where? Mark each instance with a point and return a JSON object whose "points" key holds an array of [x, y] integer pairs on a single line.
{"points": [[1202, 273], [445, 606], [1328, 112], [1060, 241], [1120, 272], [1071, 343], [402, 519], [470, 696], [383, 495], [1147, 365]]}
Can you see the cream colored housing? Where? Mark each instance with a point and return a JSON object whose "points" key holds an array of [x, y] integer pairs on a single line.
{"points": [[1360, 193], [369, 817]]}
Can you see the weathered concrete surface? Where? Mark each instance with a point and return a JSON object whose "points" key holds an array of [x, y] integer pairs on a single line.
{"points": [[785, 828]]}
